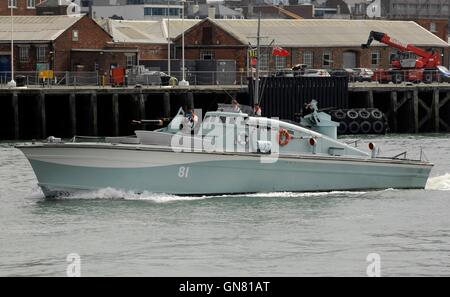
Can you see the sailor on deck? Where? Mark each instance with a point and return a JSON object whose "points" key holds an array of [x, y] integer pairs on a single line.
{"points": [[236, 107], [257, 110]]}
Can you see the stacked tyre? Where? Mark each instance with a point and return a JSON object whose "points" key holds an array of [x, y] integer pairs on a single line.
{"points": [[359, 121]]}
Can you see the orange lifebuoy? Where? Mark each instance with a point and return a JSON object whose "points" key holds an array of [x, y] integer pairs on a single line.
{"points": [[283, 137]]}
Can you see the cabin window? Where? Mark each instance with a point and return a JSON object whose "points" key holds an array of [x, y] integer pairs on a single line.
{"points": [[206, 120]]}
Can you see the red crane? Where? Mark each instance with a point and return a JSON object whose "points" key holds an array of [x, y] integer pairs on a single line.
{"points": [[423, 67]]}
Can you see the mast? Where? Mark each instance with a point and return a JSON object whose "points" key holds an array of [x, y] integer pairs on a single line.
{"points": [[12, 83], [258, 45], [168, 38], [12, 44]]}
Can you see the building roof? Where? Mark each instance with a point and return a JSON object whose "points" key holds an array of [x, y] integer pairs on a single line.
{"points": [[327, 32], [151, 32], [284, 32], [36, 28]]}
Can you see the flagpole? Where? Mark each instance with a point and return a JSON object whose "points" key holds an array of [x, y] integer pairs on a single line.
{"points": [[12, 83], [183, 82]]}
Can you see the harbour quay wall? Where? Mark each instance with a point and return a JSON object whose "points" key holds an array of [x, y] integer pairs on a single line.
{"points": [[36, 113], [409, 108]]}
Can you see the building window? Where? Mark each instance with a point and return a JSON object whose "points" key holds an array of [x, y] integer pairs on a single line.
{"points": [[161, 11], [308, 58], [206, 55], [393, 55], [31, 3], [433, 27], [41, 54], [23, 54], [12, 3], [280, 63], [327, 59], [75, 35], [264, 61], [131, 60], [375, 59]]}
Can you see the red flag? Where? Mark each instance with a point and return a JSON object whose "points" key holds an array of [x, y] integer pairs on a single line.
{"points": [[279, 51]]}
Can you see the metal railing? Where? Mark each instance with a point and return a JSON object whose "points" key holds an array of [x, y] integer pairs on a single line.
{"points": [[398, 77], [154, 78], [382, 77], [199, 78], [195, 78], [34, 79]]}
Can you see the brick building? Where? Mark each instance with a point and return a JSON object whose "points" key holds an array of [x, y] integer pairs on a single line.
{"points": [[20, 7], [317, 43], [60, 43], [438, 27], [433, 15]]}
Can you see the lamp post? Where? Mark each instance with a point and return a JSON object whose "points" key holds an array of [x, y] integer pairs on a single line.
{"points": [[168, 37], [12, 83], [183, 82]]}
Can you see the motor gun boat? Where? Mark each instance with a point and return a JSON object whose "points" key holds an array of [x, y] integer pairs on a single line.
{"points": [[230, 151]]}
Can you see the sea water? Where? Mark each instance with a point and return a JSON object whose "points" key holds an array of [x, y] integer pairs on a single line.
{"points": [[116, 233]]}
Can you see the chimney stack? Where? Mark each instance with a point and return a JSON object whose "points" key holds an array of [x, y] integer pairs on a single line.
{"points": [[212, 12]]}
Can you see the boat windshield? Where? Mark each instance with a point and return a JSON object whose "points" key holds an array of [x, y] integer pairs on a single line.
{"points": [[235, 108]]}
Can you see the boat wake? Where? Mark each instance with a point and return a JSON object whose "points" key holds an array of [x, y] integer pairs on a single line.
{"points": [[306, 194], [114, 194], [439, 183]]}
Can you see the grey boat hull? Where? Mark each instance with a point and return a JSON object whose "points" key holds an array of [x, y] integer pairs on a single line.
{"points": [[72, 168]]}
